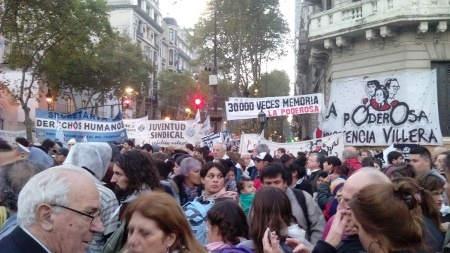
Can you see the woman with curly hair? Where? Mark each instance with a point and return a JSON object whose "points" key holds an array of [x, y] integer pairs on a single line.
{"points": [[134, 173], [226, 227]]}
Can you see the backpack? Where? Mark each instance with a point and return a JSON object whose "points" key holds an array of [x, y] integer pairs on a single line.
{"points": [[195, 212], [299, 195]]}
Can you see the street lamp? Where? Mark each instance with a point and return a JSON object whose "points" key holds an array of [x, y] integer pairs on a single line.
{"points": [[49, 99], [213, 78], [262, 117]]}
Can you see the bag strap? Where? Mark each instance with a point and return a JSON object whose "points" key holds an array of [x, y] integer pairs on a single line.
{"points": [[299, 195]]}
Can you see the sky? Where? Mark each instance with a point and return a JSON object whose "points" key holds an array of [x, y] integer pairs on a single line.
{"points": [[178, 9]]}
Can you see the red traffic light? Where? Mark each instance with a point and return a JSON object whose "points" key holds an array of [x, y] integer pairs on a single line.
{"points": [[127, 102], [198, 101]]}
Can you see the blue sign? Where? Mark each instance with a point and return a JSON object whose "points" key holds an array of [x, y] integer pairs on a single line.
{"points": [[79, 125]]}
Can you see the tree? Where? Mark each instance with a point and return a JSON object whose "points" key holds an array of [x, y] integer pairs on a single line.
{"points": [[248, 32], [35, 27], [177, 91], [99, 71], [273, 84]]}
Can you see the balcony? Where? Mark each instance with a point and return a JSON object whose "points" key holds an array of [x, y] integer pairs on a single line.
{"points": [[362, 15]]}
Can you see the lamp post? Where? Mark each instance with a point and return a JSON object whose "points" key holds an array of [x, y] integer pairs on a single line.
{"points": [[213, 78], [262, 117], [49, 99]]}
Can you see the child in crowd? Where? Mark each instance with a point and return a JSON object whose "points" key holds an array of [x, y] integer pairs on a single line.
{"points": [[246, 190], [232, 174], [335, 188]]}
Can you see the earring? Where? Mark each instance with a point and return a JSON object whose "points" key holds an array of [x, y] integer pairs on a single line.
{"points": [[168, 249]]}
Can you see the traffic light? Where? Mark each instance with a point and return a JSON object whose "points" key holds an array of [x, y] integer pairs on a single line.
{"points": [[127, 102], [198, 102]]}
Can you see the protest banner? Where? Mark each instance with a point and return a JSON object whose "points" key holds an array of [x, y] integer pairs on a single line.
{"points": [[248, 108], [211, 139], [399, 109], [171, 132], [333, 145], [10, 136], [78, 125], [138, 129]]}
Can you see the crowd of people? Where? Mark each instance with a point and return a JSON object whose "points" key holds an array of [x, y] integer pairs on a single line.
{"points": [[102, 197]]}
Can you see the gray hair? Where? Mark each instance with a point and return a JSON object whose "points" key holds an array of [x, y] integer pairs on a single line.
{"points": [[50, 186], [349, 152], [189, 164], [13, 177], [224, 147], [246, 153], [262, 148]]}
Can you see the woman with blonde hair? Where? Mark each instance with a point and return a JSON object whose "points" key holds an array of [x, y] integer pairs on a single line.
{"points": [[156, 223]]}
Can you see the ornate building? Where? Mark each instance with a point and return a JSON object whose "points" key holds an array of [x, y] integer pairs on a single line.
{"points": [[339, 39]]}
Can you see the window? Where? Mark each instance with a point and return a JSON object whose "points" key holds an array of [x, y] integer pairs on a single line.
{"points": [[443, 94], [83, 103], [328, 4], [171, 36], [170, 57]]}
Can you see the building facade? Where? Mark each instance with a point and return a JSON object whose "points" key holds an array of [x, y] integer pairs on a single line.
{"points": [[161, 39], [348, 38]]}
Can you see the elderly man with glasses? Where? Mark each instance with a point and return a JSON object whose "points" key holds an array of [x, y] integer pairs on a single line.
{"points": [[58, 211]]}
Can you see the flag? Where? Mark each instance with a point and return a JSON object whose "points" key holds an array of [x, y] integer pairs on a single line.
{"points": [[84, 140], [387, 151], [197, 118], [261, 137], [59, 132], [206, 126]]}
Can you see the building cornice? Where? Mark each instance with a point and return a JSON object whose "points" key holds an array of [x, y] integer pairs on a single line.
{"points": [[141, 13]]}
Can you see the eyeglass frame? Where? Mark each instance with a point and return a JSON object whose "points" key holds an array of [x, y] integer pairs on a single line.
{"points": [[92, 216]]}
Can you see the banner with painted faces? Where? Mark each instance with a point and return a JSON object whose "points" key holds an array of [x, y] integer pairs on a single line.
{"points": [[332, 145], [384, 110]]}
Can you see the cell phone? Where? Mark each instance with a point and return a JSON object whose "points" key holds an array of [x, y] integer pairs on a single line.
{"points": [[269, 234]]}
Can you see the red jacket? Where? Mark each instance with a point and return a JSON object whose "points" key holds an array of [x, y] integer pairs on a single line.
{"points": [[353, 165]]}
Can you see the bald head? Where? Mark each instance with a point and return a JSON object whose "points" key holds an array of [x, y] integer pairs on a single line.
{"points": [[360, 179]]}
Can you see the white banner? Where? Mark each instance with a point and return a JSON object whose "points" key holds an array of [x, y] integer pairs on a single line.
{"points": [[10, 136], [162, 132], [333, 145], [211, 139], [171, 132], [248, 108], [386, 110], [138, 129]]}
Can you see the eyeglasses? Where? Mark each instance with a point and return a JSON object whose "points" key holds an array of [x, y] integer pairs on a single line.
{"points": [[92, 216]]}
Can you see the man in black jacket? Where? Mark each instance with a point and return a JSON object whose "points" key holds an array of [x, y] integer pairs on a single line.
{"points": [[58, 212]]}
